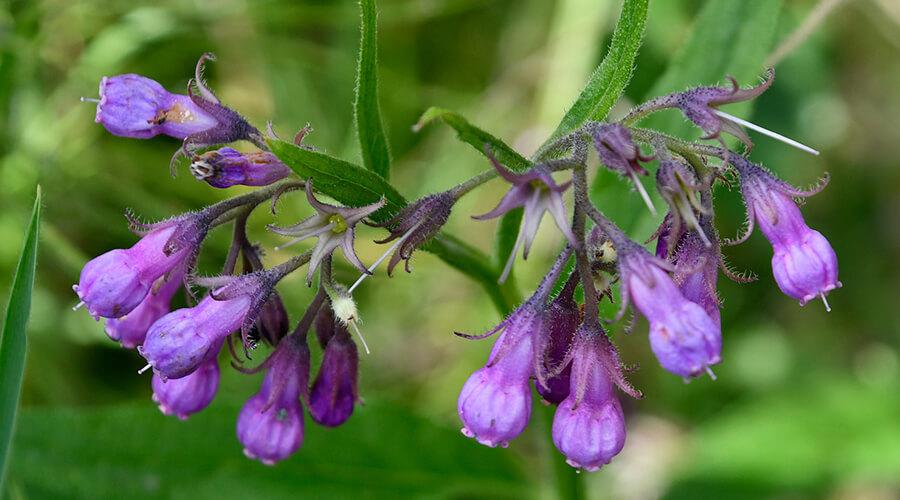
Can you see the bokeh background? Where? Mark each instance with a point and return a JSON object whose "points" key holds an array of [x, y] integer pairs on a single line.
{"points": [[806, 405]]}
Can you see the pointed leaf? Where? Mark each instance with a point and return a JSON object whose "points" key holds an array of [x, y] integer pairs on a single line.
{"points": [[612, 76], [12, 342], [370, 129]]}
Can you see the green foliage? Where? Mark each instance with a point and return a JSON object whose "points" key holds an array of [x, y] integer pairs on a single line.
{"points": [[12, 341], [134, 451], [372, 138], [612, 76], [475, 137]]}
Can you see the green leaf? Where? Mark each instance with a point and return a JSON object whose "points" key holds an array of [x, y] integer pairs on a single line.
{"points": [[475, 137], [729, 37], [12, 343], [612, 76], [136, 452], [372, 138], [353, 185]]}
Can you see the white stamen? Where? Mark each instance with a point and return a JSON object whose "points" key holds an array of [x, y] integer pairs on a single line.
{"points": [[825, 301], [292, 242], [142, 370], [767, 132], [710, 372], [78, 306], [89, 99], [360, 335], [384, 256], [643, 192]]}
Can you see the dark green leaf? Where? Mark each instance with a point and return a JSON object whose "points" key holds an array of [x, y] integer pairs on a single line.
{"points": [[12, 343], [136, 452], [372, 138], [612, 76], [355, 186], [475, 137]]}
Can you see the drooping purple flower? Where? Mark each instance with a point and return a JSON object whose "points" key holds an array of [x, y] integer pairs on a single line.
{"points": [[416, 224], [334, 392], [273, 323], [618, 152], [228, 167], [131, 329], [113, 284], [589, 426], [333, 226], [697, 268], [135, 106], [804, 264], [495, 402], [684, 338], [563, 316], [270, 425], [537, 192], [179, 341], [190, 394]]}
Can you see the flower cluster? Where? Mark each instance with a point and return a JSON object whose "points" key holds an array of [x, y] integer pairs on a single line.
{"points": [[550, 342]]}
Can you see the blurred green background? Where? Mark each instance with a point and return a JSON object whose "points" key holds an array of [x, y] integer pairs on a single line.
{"points": [[806, 405]]}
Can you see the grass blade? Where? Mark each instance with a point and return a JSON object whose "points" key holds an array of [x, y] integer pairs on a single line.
{"points": [[372, 138]]}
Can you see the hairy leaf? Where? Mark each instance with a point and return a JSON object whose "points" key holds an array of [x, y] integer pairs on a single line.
{"points": [[370, 129]]}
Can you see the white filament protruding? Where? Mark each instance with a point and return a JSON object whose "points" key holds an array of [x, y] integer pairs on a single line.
{"points": [[643, 192], [89, 99], [292, 242], [360, 335], [78, 306], [379, 260], [142, 370], [710, 372], [764, 131], [825, 301]]}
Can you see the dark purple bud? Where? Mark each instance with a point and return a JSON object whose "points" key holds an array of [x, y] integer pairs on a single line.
{"points": [[270, 425], [416, 224], [334, 227], [537, 192], [684, 338], [325, 325], [185, 396], [618, 153], [114, 283], [563, 317], [227, 167], [131, 329], [134, 106], [589, 426], [334, 393], [273, 323], [804, 264]]}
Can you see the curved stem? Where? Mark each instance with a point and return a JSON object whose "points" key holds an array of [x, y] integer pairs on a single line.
{"points": [[591, 300]]}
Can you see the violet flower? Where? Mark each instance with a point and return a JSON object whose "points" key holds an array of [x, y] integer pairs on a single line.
{"points": [[589, 425], [334, 226], [115, 283], [270, 425], [191, 394], [334, 392], [131, 329], [537, 192], [804, 264], [618, 152], [228, 167]]}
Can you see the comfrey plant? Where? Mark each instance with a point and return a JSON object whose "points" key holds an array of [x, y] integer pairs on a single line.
{"points": [[555, 343]]}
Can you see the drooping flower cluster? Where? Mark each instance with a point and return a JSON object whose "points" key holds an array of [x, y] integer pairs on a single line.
{"points": [[550, 341]]}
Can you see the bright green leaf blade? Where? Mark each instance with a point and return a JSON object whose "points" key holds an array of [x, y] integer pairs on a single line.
{"points": [[730, 37], [475, 137], [372, 138], [12, 343], [612, 76], [136, 452], [354, 186]]}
